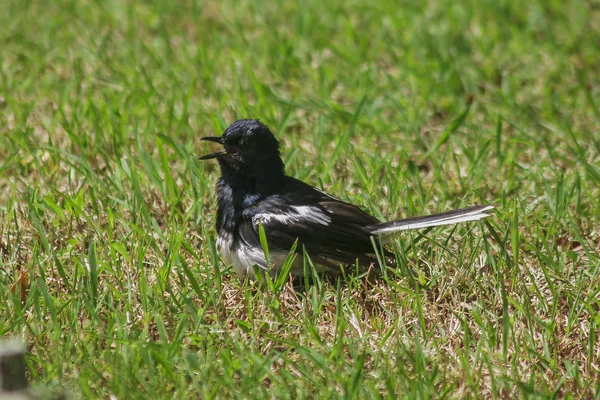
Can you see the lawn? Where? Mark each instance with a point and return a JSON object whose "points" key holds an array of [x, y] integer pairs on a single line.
{"points": [[108, 266]]}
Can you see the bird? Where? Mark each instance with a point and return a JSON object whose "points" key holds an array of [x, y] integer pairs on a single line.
{"points": [[254, 193]]}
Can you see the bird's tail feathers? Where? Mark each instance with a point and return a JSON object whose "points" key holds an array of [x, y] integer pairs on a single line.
{"points": [[473, 213]]}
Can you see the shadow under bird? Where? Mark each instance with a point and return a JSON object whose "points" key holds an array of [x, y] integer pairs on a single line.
{"points": [[254, 190]]}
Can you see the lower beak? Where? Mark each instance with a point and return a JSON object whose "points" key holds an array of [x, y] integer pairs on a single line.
{"points": [[213, 155]]}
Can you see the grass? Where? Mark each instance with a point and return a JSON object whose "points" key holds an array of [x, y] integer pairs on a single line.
{"points": [[108, 266]]}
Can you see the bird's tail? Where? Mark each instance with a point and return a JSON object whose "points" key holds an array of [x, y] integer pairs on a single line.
{"points": [[473, 213]]}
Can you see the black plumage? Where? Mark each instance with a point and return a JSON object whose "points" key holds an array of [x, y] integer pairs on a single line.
{"points": [[253, 189]]}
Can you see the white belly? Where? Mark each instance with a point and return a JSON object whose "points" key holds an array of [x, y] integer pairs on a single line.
{"points": [[244, 258]]}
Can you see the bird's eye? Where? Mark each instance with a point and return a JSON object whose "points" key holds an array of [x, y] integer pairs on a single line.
{"points": [[245, 144]]}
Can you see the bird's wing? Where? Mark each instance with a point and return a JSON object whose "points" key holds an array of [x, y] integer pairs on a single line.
{"points": [[328, 228]]}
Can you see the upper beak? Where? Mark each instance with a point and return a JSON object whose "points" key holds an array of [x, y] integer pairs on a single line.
{"points": [[213, 155], [215, 139]]}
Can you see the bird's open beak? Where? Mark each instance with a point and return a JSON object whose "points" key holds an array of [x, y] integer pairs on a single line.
{"points": [[213, 155]]}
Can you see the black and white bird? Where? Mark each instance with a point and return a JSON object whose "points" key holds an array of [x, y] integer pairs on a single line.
{"points": [[254, 190]]}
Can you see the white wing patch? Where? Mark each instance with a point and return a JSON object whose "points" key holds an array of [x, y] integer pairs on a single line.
{"points": [[313, 214], [245, 255], [298, 213]]}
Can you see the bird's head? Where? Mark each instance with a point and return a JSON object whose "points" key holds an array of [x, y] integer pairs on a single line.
{"points": [[248, 145]]}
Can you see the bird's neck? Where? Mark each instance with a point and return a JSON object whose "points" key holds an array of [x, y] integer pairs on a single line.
{"points": [[260, 179]]}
